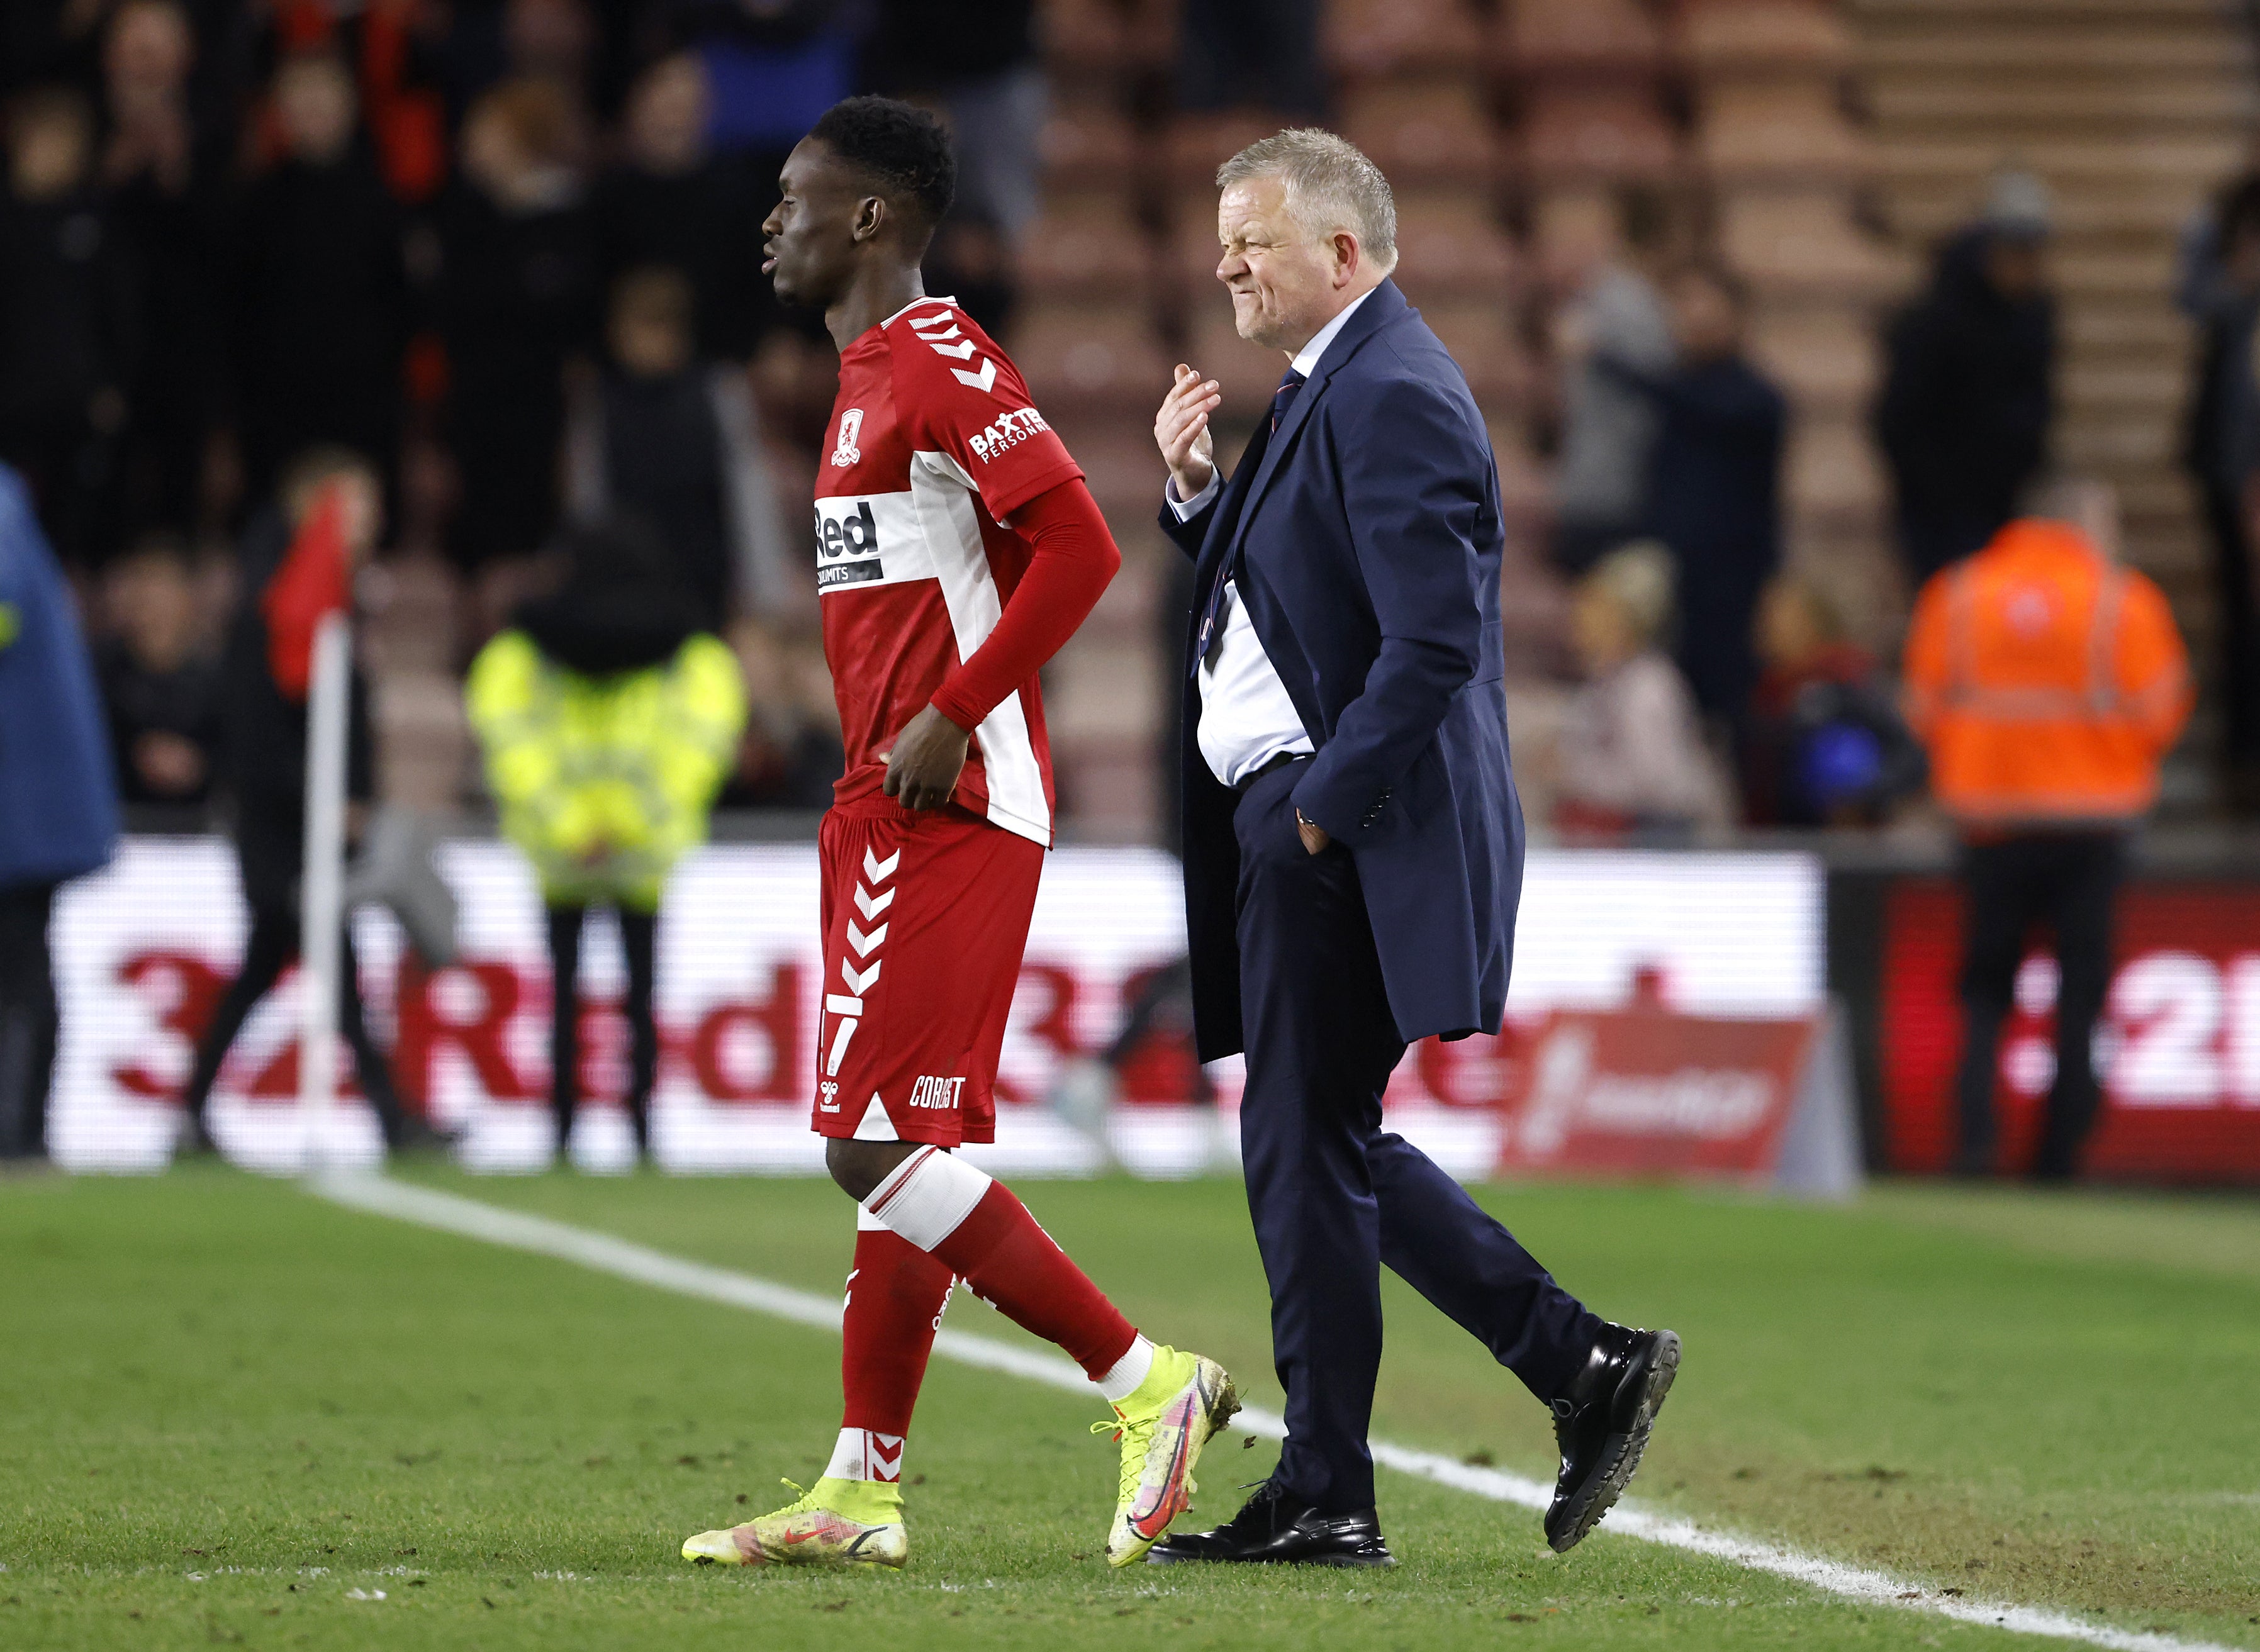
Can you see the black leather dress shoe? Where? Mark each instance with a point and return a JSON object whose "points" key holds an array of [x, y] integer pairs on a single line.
{"points": [[1602, 1426], [1275, 1526]]}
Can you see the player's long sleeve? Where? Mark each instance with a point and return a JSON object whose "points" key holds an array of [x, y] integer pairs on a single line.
{"points": [[1074, 559]]}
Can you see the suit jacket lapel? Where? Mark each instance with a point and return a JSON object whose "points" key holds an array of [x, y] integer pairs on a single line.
{"points": [[1223, 532], [1383, 306]]}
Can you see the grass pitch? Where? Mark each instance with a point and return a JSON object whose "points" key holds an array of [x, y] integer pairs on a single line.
{"points": [[235, 1414]]}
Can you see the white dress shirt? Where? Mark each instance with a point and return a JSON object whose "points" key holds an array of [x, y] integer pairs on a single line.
{"points": [[1246, 717]]}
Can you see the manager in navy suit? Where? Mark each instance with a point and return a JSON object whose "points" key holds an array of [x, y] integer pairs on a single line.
{"points": [[1353, 846]]}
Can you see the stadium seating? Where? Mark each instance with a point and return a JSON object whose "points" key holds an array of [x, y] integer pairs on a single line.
{"points": [[2133, 112], [1581, 131], [1449, 244], [1087, 246], [1423, 130], [1744, 38], [1372, 38], [1766, 129], [1088, 145], [1604, 37], [1780, 137], [1102, 355]]}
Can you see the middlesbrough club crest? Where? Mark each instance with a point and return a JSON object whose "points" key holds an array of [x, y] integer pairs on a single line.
{"points": [[844, 452]]}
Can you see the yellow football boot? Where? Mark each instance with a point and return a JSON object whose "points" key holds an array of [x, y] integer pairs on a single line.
{"points": [[1184, 1402], [838, 1523]]}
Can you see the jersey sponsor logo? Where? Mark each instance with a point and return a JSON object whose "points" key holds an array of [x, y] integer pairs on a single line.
{"points": [[867, 540], [1009, 430], [941, 332], [937, 1094], [847, 543], [844, 451]]}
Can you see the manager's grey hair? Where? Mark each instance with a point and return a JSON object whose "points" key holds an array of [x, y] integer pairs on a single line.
{"points": [[1330, 185]]}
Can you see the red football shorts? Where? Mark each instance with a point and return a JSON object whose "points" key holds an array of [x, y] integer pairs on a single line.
{"points": [[925, 917]]}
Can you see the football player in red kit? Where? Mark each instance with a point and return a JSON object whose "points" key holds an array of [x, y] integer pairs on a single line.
{"points": [[956, 550]]}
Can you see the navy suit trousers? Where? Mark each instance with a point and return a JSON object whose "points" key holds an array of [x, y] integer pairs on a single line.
{"points": [[1334, 1196]]}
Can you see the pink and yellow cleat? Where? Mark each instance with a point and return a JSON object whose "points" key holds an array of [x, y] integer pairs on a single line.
{"points": [[1184, 1402], [837, 1523]]}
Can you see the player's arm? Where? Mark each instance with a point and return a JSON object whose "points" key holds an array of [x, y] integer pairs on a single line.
{"points": [[1072, 559]]}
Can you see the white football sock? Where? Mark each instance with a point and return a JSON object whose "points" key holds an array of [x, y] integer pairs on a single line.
{"points": [[862, 1455], [1129, 1372]]}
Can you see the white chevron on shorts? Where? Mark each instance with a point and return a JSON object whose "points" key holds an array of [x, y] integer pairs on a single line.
{"points": [[864, 944]]}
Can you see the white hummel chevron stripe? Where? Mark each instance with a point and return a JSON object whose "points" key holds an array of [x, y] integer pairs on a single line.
{"points": [[839, 1040], [986, 379], [878, 871], [872, 905], [862, 942], [835, 1004], [860, 984], [603, 1253], [962, 349]]}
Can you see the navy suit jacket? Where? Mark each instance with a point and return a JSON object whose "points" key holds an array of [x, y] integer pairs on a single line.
{"points": [[1369, 539]]}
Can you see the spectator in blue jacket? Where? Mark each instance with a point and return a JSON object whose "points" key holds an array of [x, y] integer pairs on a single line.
{"points": [[58, 805]]}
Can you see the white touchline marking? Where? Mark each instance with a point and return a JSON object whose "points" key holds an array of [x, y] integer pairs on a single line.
{"points": [[449, 1214]]}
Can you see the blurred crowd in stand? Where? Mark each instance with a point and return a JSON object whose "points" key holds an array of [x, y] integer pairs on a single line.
{"points": [[507, 251], [451, 310]]}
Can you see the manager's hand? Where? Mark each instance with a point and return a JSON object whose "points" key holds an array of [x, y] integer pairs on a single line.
{"points": [[922, 769], [1181, 430]]}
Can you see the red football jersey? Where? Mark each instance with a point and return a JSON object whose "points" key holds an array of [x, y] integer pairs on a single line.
{"points": [[934, 444]]}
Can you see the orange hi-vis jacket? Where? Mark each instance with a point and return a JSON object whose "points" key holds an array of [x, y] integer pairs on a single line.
{"points": [[2046, 682]]}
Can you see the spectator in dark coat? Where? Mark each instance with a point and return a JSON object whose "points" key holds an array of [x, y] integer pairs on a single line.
{"points": [[162, 177], [1969, 385], [672, 201], [674, 444], [326, 524], [2219, 288], [321, 289], [1241, 52], [58, 812], [160, 680], [66, 343], [518, 299], [1715, 484]]}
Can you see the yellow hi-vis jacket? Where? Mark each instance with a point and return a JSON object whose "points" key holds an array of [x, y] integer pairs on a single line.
{"points": [[604, 781]]}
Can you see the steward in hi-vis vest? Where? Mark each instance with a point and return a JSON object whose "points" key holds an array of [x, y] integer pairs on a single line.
{"points": [[610, 719], [2048, 683]]}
